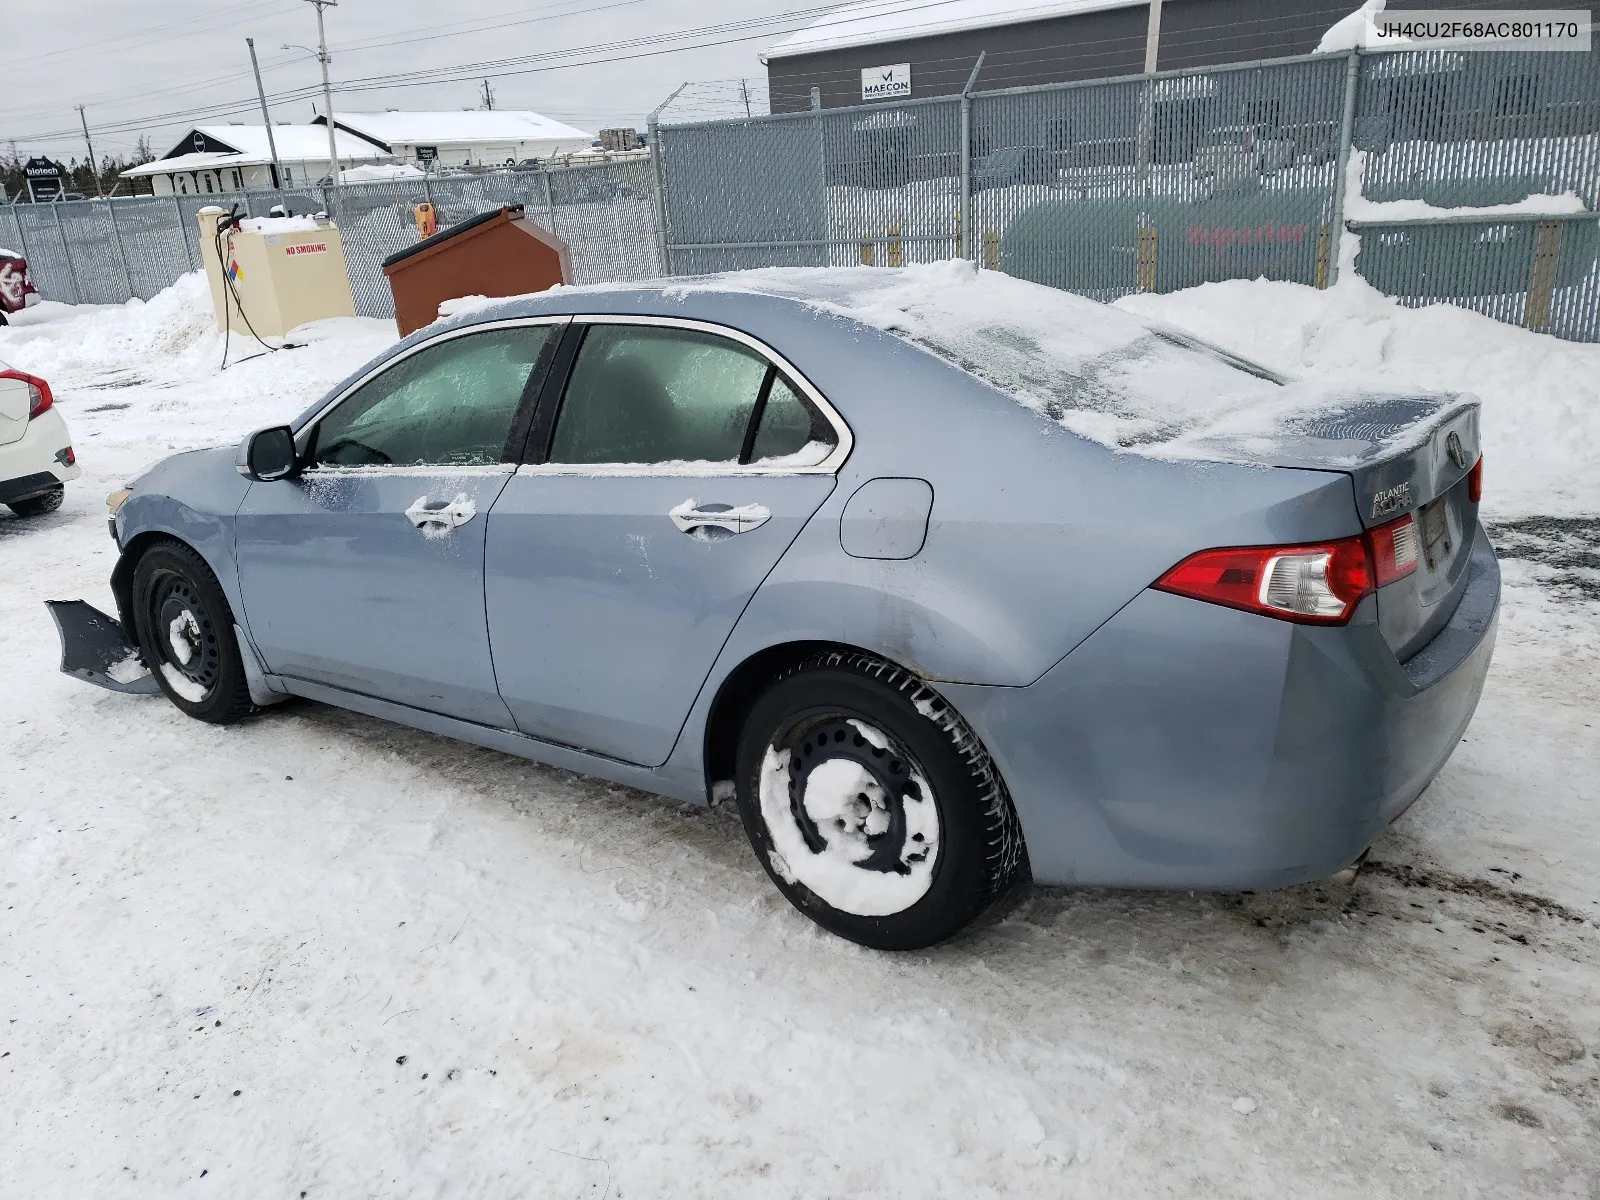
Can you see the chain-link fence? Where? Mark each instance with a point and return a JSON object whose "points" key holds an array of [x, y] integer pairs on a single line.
{"points": [[1155, 183], [104, 251], [1104, 187]]}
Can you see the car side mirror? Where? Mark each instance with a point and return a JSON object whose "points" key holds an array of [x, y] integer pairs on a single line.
{"points": [[268, 454]]}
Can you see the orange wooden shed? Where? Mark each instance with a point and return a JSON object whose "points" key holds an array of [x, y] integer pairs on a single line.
{"points": [[499, 253]]}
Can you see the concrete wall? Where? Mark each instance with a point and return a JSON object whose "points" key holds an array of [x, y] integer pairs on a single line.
{"points": [[1194, 33]]}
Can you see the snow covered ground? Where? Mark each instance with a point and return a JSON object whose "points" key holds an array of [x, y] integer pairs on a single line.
{"points": [[317, 955]]}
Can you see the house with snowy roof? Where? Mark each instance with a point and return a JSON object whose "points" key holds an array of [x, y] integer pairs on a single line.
{"points": [[463, 138], [233, 158]]}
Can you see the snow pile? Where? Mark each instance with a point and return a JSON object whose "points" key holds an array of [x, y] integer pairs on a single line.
{"points": [[1541, 204], [380, 172], [1358, 208], [1540, 395], [274, 225], [151, 371], [462, 306], [1358, 31], [1115, 380]]}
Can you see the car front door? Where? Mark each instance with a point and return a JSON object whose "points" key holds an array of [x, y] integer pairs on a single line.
{"points": [[365, 572], [667, 477]]}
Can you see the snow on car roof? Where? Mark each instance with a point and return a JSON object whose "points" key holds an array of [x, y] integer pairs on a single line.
{"points": [[1104, 374]]}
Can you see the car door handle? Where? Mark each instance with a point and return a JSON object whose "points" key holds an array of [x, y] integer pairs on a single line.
{"points": [[436, 516], [691, 516]]}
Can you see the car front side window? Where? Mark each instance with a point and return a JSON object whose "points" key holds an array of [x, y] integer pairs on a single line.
{"points": [[448, 404]]}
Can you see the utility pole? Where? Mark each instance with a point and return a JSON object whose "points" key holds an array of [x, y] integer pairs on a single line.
{"points": [[1147, 98], [1152, 38], [327, 89], [488, 96], [94, 163], [266, 117]]}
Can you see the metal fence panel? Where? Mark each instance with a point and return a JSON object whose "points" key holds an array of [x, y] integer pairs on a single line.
{"points": [[152, 238], [1542, 273], [104, 251], [1478, 129], [98, 268], [41, 233], [1163, 183], [744, 194], [1155, 183], [606, 215]]}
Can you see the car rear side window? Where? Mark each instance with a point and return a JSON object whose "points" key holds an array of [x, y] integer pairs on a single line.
{"points": [[789, 431], [658, 394], [449, 404]]}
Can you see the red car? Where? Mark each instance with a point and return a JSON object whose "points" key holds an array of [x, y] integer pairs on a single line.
{"points": [[16, 286]]}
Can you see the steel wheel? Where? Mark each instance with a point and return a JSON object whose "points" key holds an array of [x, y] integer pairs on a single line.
{"points": [[186, 634], [852, 815], [873, 806]]}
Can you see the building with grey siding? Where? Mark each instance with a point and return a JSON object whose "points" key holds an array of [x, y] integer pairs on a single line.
{"points": [[936, 45]]}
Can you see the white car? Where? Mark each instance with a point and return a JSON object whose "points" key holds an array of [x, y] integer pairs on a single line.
{"points": [[36, 456]]}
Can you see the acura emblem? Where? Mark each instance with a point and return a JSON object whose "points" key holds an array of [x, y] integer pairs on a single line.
{"points": [[1458, 453]]}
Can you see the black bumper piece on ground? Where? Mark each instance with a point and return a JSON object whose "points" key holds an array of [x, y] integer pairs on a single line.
{"points": [[94, 645]]}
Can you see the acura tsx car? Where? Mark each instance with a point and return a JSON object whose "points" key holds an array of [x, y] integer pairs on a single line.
{"points": [[947, 579]]}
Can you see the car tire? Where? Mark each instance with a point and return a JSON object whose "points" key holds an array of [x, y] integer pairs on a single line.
{"points": [[37, 506], [873, 805], [184, 627]]}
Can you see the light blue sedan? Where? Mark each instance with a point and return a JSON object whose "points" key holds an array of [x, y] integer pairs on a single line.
{"points": [[943, 604]]}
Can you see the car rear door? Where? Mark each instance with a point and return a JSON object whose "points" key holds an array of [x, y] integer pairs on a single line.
{"points": [[365, 572], [671, 465]]}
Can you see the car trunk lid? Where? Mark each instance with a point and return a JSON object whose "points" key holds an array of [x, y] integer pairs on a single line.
{"points": [[1407, 455]]}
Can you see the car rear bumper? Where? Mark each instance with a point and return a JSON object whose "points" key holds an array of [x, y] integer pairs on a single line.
{"points": [[34, 462], [1185, 745]]}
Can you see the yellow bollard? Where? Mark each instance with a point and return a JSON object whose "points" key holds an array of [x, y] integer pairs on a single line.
{"points": [[1542, 280], [1146, 269]]}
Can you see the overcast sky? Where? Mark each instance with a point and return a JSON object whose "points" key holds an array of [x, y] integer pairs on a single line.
{"points": [[144, 65]]}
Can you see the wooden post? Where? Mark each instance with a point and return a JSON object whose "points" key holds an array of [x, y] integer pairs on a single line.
{"points": [[868, 253], [1324, 253], [991, 249], [1542, 280], [1146, 268], [894, 256]]}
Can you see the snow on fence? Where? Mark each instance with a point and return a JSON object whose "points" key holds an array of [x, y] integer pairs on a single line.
{"points": [[1157, 183], [104, 251]]}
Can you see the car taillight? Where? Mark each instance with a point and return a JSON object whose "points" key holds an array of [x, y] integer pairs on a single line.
{"points": [[1475, 481], [39, 397], [1319, 584], [1394, 550]]}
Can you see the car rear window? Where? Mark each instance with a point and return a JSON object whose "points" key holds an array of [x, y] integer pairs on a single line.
{"points": [[1148, 388], [1099, 371]]}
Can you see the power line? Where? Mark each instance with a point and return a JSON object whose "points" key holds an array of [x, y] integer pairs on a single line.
{"points": [[494, 69]]}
